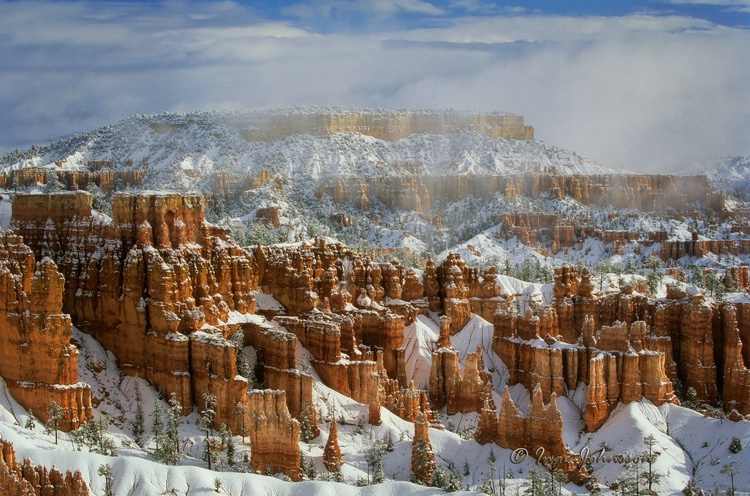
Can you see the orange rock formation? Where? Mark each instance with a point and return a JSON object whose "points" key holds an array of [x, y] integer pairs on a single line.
{"points": [[37, 359], [27, 479]]}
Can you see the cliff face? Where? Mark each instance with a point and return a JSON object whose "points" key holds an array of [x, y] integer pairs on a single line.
{"points": [[625, 346], [143, 281], [386, 125], [413, 191], [274, 434], [37, 359]]}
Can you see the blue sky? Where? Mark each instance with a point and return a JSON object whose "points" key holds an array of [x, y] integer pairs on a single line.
{"points": [[642, 85]]}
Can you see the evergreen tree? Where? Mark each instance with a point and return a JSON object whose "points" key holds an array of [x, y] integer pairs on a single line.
{"points": [[139, 421], [107, 473], [168, 443], [730, 469], [305, 427], [337, 475], [736, 445], [54, 416], [536, 484], [227, 440], [243, 366], [375, 467], [30, 421], [94, 435], [631, 480], [311, 471], [650, 475], [207, 424], [422, 462], [157, 421], [488, 482], [53, 183]]}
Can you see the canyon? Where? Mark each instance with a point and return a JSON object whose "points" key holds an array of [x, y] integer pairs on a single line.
{"points": [[165, 291]]}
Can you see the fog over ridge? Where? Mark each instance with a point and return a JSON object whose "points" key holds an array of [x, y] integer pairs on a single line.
{"points": [[640, 91]]}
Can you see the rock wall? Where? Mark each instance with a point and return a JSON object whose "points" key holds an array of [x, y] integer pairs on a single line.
{"points": [[414, 191], [37, 359], [144, 281], [385, 125], [73, 180], [274, 434], [458, 391], [626, 346]]}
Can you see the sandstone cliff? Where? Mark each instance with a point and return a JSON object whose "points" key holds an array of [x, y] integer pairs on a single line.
{"points": [[37, 359]]}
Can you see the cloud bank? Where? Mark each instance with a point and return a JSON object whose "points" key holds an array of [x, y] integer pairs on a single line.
{"points": [[641, 92]]}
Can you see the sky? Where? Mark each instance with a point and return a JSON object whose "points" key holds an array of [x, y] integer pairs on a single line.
{"points": [[644, 85]]}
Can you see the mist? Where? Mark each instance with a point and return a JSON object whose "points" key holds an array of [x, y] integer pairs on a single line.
{"points": [[641, 92]]}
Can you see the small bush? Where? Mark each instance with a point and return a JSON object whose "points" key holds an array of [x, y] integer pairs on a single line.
{"points": [[736, 445]]}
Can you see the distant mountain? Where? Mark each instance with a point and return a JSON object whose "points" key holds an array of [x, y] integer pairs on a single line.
{"points": [[728, 174], [183, 151]]}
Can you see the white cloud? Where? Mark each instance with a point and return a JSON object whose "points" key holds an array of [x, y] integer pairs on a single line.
{"points": [[381, 8], [636, 91], [745, 3]]}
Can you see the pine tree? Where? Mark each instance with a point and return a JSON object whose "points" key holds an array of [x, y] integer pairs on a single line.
{"points": [[139, 421], [445, 479], [157, 422], [311, 471], [535, 484], [54, 416], [731, 470], [227, 440], [651, 476], [30, 421], [337, 475], [207, 424], [53, 183], [630, 481], [168, 449], [94, 435], [107, 473], [243, 366], [488, 482], [240, 410], [375, 468]]}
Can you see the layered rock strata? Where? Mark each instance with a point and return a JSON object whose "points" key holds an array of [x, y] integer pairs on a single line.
{"points": [[274, 434], [144, 281], [538, 432], [37, 359], [625, 346]]}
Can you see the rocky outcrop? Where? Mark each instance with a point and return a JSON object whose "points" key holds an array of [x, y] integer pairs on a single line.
{"points": [[594, 339], [37, 359], [456, 390], [736, 374], [274, 434], [413, 190], [386, 125], [276, 351], [332, 452], [422, 458], [27, 479], [106, 179], [144, 281]]}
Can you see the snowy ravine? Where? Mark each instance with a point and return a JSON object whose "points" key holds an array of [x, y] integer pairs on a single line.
{"points": [[690, 445]]}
